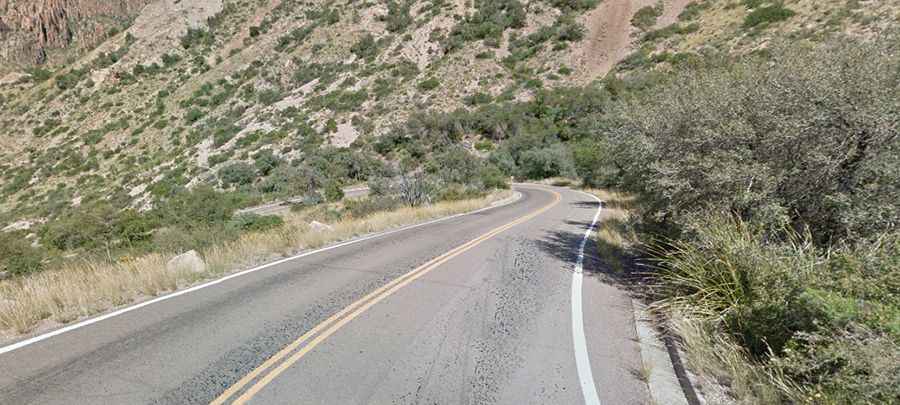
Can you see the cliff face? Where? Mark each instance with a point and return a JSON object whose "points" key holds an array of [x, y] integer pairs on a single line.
{"points": [[31, 30]]}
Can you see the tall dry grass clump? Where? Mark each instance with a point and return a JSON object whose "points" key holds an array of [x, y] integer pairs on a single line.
{"points": [[780, 320], [89, 287], [614, 235]]}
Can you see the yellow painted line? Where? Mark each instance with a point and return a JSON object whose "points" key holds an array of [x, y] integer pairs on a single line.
{"points": [[338, 320]]}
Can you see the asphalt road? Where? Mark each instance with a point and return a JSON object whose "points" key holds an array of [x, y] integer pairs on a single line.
{"points": [[476, 309]]}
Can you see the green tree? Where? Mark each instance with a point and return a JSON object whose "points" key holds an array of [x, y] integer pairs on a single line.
{"points": [[550, 161], [807, 135], [237, 174], [91, 226], [198, 207]]}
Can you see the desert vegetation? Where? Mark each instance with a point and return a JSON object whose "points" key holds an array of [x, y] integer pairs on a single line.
{"points": [[751, 149], [757, 193], [766, 187]]}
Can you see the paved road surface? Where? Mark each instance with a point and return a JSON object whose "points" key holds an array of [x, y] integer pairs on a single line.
{"points": [[489, 322]]}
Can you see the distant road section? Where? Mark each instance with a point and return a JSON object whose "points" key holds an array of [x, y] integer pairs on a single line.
{"points": [[279, 207]]}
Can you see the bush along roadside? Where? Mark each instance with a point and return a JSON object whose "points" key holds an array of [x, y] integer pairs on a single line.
{"points": [[770, 233], [773, 229], [822, 324], [764, 203]]}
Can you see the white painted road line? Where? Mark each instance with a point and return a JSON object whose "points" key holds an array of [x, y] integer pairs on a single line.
{"points": [[582, 360], [79, 325]]}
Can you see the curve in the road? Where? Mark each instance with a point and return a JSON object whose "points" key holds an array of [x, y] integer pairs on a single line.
{"points": [[87, 322], [495, 324], [332, 324]]}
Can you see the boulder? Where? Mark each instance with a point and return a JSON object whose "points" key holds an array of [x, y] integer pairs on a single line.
{"points": [[190, 261], [320, 227], [4, 275]]}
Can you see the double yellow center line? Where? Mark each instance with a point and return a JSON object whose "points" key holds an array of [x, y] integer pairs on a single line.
{"points": [[275, 365]]}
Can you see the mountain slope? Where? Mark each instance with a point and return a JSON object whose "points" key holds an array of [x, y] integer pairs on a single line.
{"points": [[193, 88]]}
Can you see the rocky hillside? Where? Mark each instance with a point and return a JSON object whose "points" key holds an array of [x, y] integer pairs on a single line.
{"points": [[195, 92], [48, 31]]}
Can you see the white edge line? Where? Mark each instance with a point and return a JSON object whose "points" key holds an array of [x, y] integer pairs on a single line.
{"points": [[582, 359], [48, 335]]}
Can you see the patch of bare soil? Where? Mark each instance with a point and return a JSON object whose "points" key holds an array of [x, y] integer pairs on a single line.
{"points": [[611, 37], [344, 136], [670, 13]]}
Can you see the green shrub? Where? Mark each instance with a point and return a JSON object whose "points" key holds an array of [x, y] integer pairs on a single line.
{"points": [[808, 311], [250, 222], [397, 18], [645, 18], [429, 84], [478, 98], [551, 161], [333, 192], [284, 180], [752, 4], [265, 161], [573, 5], [456, 192], [492, 178], [170, 60], [767, 15], [237, 174], [296, 36], [341, 100], [484, 145], [39, 75], [200, 207], [193, 115], [490, 19], [70, 80], [366, 48], [17, 256], [196, 37], [269, 96], [568, 30], [364, 207], [669, 31], [133, 229], [454, 165], [89, 227], [717, 138], [693, 10]]}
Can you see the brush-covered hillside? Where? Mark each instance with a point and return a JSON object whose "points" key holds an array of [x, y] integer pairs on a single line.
{"points": [[190, 89], [130, 101]]}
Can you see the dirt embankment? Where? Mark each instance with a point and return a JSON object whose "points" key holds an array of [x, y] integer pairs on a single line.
{"points": [[611, 37]]}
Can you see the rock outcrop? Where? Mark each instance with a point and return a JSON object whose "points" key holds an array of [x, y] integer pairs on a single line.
{"points": [[30, 30], [320, 227], [189, 261]]}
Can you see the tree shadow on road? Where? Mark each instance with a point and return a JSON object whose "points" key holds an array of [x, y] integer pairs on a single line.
{"points": [[621, 270]]}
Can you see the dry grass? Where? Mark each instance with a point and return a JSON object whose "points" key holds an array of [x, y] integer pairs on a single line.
{"points": [[614, 237], [87, 288], [713, 355]]}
